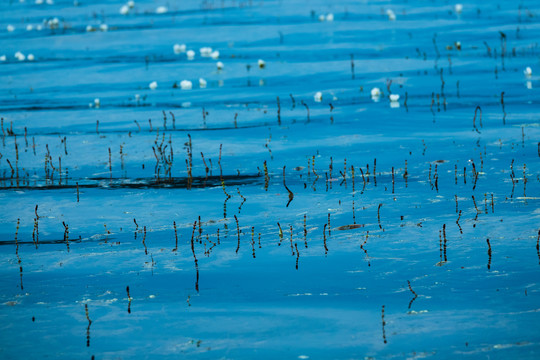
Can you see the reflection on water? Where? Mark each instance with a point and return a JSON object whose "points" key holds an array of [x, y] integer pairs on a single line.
{"points": [[269, 179]]}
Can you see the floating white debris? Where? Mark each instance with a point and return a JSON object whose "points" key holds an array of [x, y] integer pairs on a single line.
{"points": [[321, 18], [39, 27], [458, 8], [412, 312], [186, 85], [318, 96], [205, 51], [153, 85], [103, 27], [330, 17], [190, 54], [178, 49], [394, 97], [20, 56], [261, 64], [29, 27], [3, 58], [527, 71], [89, 28], [53, 23], [303, 357], [391, 15], [161, 10], [220, 65], [39, 2], [10, 28], [529, 84], [299, 168], [375, 92], [97, 102], [131, 4], [202, 83], [137, 97], [50, 2], [214, 55], [30, 57], [124, 10]]}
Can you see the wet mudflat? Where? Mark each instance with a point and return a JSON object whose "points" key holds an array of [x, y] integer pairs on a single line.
{"points": [[270, 179]]}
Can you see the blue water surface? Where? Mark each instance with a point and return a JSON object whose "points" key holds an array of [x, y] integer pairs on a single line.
{"points": [[281, 207]]}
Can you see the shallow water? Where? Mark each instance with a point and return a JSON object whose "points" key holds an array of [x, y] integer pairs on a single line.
{"points": [[382, 251]]}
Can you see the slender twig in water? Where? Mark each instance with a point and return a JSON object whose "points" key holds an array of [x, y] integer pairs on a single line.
{"points": [[129, 300], [194, 256], [379, 216], [175, 237], [413, 292], [292, 249], [291, 195], [305, 232], [364, 250], [19, 261], [364, 180], [143, 241], [66, 235], [488, 49], [293, 101], [538, 247], [266, 176], [329, 228], [173, 120], [89, 323], [307, 108], [278, 111], [280, 234], [383, 325], [489, 254], [253, 241], [297, 255], [238, 233], [476, 207], [457, 222], [324, 235], [474, 118]]}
